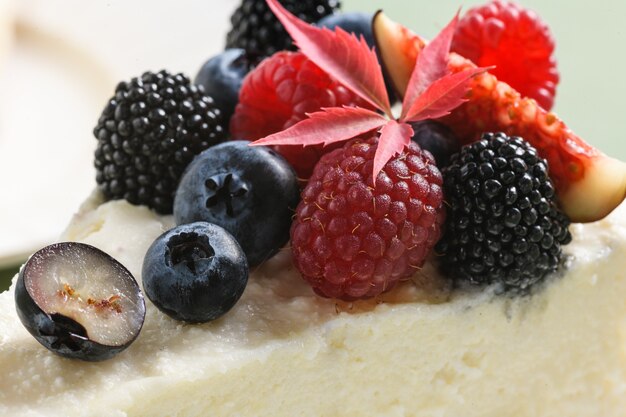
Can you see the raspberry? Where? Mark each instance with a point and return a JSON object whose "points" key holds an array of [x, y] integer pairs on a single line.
{"points": [[503, 224], [278, 94], [351, 239], [517, 42]]}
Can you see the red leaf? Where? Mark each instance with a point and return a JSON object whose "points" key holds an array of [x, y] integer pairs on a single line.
{"points": [[394, 137], [344, 57], [431, 65], [330, 125], [441, 97]]}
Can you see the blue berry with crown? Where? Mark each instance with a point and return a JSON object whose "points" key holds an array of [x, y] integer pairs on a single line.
{"points": [[251, 192]]}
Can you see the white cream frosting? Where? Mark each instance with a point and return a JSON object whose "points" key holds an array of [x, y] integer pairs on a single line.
{"points": [[283, 351]]}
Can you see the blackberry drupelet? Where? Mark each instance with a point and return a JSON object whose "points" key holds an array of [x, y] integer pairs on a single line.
{"points": [[503, 224], [256, 29], [148, 133]]}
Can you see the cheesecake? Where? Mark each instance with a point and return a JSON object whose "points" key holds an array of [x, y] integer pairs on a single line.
{"points": [[384, 322], [284, 351]]}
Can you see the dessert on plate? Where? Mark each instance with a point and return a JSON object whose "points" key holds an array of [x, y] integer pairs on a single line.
{"points": [[461, 258], [283, 350]]}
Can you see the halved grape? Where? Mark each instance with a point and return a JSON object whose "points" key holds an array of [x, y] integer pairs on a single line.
{"points": [[79, 302]]}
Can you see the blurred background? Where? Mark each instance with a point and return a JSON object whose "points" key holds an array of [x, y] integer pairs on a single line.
{"points": [[60, 61]]}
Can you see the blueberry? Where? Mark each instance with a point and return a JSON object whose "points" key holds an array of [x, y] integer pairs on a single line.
{"points": [[79, 302], [222, 76], [437, 139], [358, 23], [195, 272], [251, 192]]}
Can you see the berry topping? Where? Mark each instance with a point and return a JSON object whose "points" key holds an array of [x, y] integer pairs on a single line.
{"points": [[589, 183], [250, 192], [148, 133], [432, 91], [222, 77], [352, 239], [278, 94], [517, 42], [437, 139], [79, 302], [503, 224], [195, 272], [372, 209], [256, 30]]}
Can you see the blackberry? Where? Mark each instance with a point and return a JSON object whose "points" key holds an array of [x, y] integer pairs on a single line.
{"points": [[503, 224], [148, 133], [256, 29]]}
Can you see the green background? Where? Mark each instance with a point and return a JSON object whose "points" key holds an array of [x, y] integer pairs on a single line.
{"points": [[590, 39], [5, 277]]}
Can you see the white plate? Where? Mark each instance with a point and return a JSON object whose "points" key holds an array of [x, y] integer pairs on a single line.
{"points": [[68, 57], [49, 96]]}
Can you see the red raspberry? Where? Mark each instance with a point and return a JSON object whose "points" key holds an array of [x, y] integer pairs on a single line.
{"points": [[353, 240], [517, 42], [278, 94]]}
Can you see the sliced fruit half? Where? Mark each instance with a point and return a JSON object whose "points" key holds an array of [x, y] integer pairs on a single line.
{"points": [[79, 302], [589, 183]]}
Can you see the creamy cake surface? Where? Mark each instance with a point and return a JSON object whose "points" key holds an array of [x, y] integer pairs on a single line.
{"points": [[283, 351]]}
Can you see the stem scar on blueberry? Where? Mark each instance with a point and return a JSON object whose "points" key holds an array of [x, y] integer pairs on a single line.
{"points": [[226, 188], [189, 250]]}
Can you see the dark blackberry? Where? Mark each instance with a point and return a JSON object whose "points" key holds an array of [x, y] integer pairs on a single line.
{"points": [[503, 224], [256, 29], [148, 133]]}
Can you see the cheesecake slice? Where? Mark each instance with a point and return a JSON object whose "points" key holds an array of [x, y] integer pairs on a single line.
{"points": [[283, 351]]}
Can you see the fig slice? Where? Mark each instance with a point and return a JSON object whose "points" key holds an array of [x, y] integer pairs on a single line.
{"points": [[79, 302], [589, 183]]}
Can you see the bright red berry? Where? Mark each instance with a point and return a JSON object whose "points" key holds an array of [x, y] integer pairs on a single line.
{"points": [[517, 42], [278, 94], [351, 239]]}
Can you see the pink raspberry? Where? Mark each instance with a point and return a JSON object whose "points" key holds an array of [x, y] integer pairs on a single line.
{"points": [[278, 94], [351, 239], [517, 42]]}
